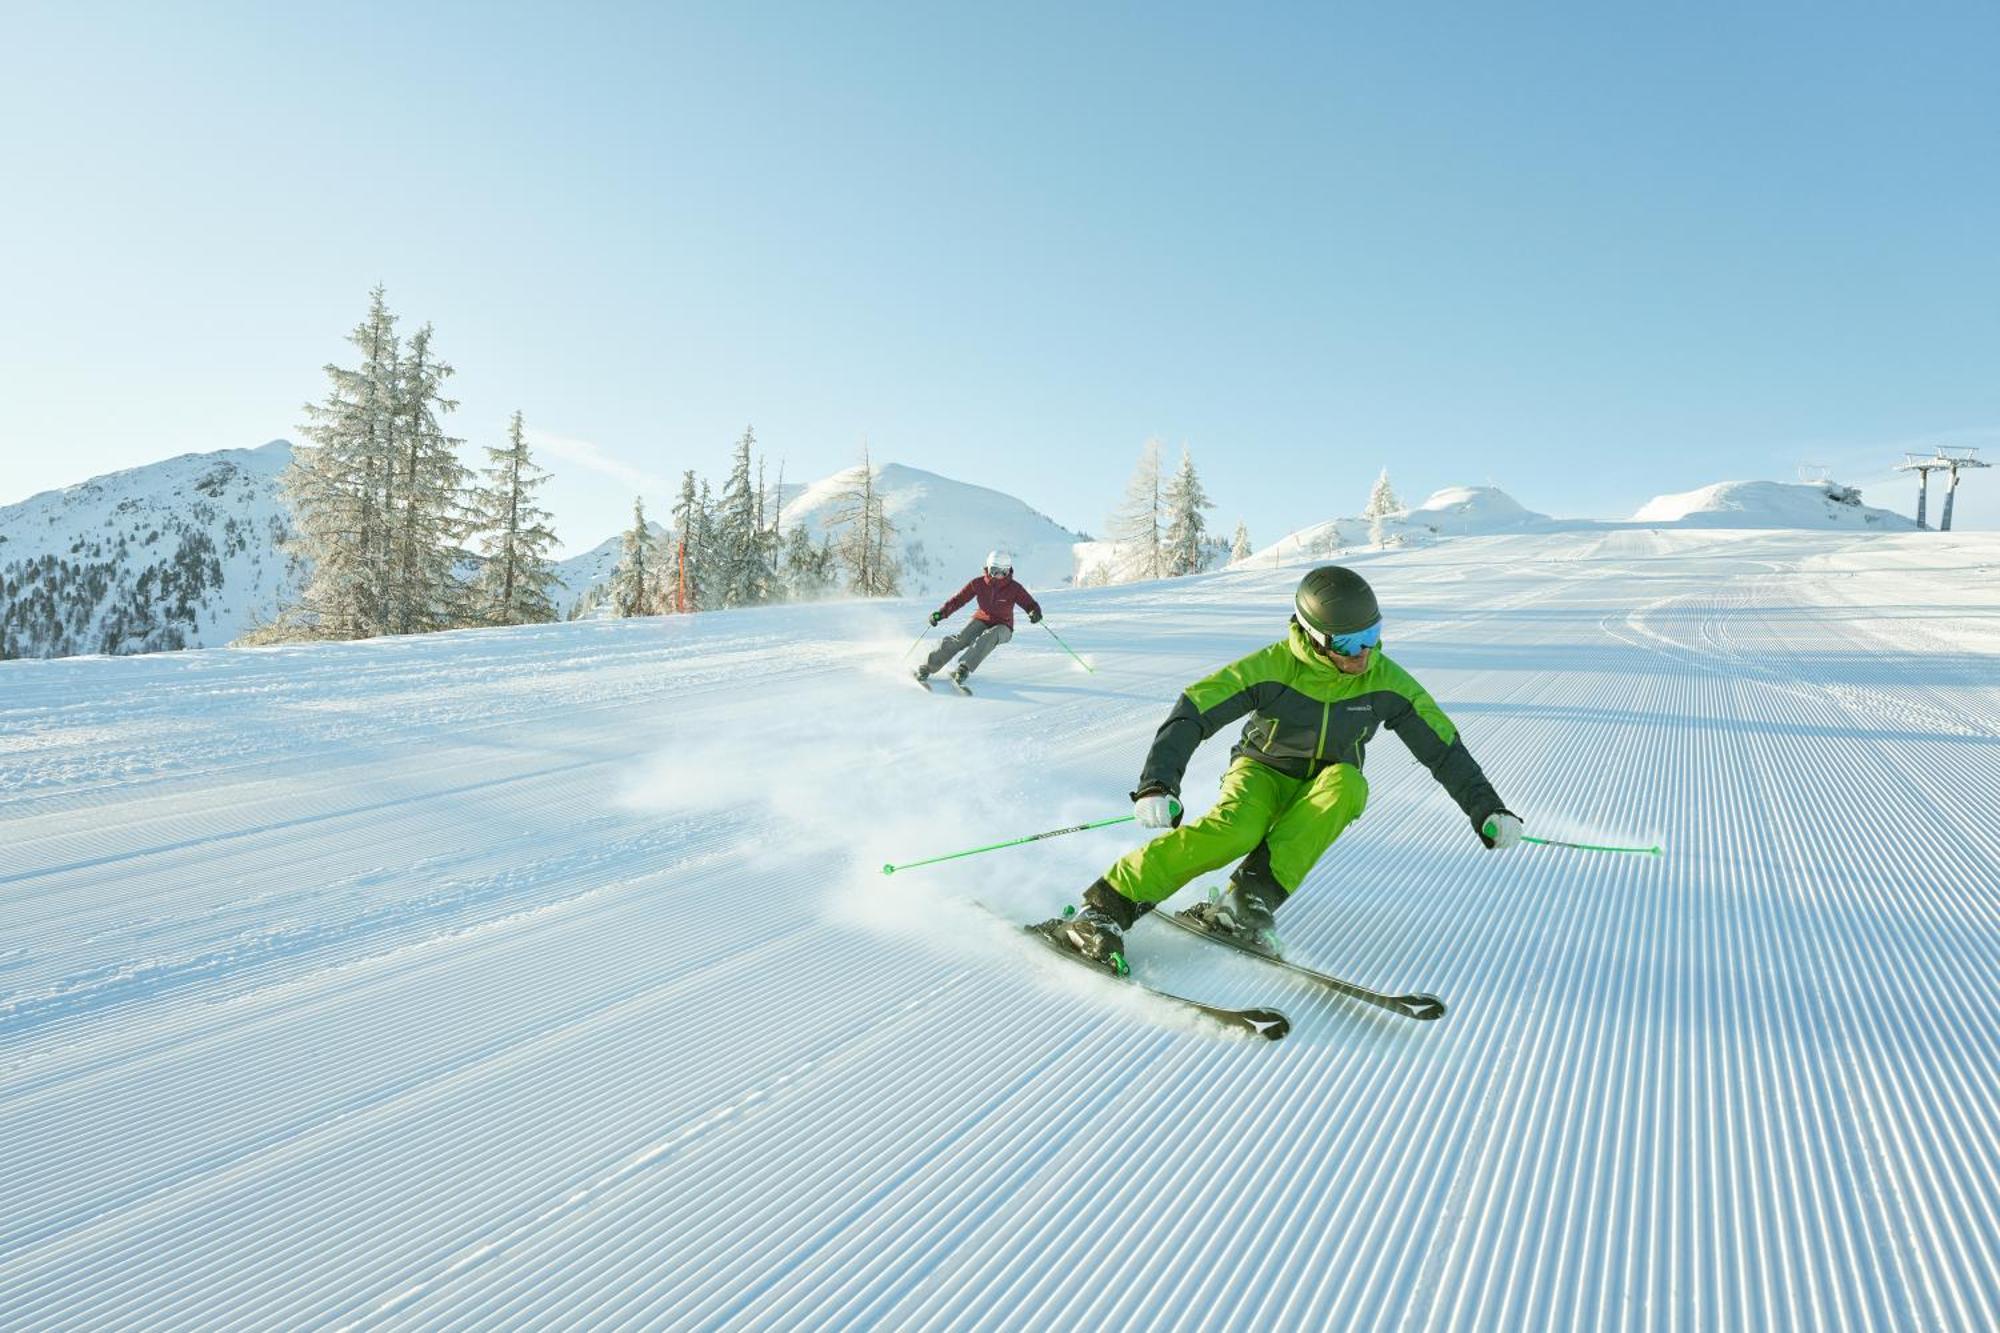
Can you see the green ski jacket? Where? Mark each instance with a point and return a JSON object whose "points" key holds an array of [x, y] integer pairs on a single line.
{"points": [[1307, 715]]}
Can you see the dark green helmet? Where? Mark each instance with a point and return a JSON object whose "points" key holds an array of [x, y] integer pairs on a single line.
{"points": [[1335, 600]]}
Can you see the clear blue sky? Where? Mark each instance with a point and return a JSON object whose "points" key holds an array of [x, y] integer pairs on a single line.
{"points": [[1589, 252]]}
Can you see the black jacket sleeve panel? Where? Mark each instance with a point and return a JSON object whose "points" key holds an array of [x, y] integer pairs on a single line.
{"points": [[1186, 727], [1448, 760]]}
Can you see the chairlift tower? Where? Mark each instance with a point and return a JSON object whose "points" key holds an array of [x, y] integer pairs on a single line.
{"points": [[1947, 460]]}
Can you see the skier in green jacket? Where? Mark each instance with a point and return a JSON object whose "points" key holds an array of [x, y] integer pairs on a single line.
{"points": [[1294, 783]]}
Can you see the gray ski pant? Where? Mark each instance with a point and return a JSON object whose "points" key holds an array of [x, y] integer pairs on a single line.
{"points": [[977, 639]]}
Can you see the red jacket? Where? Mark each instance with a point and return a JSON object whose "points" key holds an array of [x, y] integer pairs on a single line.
{"points": [[997, 598]]}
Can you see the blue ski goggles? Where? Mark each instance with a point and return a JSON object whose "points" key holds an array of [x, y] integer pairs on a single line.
{"points": [[1346, 645]]}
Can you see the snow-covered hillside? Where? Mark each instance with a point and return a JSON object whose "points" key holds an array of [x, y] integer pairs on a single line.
{"points": [[1770, 504], [1475, 511], [182, 553], [945, 528], [1455, 511], [546, 977]]}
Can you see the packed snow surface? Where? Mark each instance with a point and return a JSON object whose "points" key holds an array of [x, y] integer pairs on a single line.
{"points": [[547, 976]]}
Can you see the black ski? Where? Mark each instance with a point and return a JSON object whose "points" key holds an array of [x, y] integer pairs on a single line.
{"points": [[1416, 1004], [1266, 1023]]}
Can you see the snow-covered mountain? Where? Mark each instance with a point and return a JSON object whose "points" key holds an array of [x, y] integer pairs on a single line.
{"points": [[1485, 511], [1770, 504], [184, 553], [944, 528], [177, 554], [1455, 511]]}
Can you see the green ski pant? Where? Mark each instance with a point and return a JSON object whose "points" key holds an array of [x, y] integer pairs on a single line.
{"points": [[1298, 819]]}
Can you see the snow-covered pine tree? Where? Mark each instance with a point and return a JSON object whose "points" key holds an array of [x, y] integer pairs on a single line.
{"points": [[1187, 531], [1382, 498], [515, 582], [708, 588], [690, 558], [1136, 527], [1239, 545], [809, 568], [742, 560], [864, 545], [632, 591], [428, 501], [1382, 503], [774, 539], [337, 489]]}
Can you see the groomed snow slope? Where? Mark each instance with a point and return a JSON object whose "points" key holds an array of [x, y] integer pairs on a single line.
{"points": [[546, 976]]}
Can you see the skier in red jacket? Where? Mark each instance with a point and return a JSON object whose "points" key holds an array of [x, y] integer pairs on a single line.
{"points": [[991, 625]]}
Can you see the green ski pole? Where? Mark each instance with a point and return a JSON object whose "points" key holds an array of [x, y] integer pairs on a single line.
{"points": [[1066, 648], [920, 638], [1016, 842], [1588, 847]]}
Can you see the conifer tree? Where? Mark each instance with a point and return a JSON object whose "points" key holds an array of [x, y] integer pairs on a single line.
{"points": [[632, 592], [740, 533], [1382, 503], [426, 500], [1239, 546], [708, 590], [1382, 499], [1187, 531], [690, 559], [337, 489], [378, 498], [1136, 527], [515, 583], [809, 567]]}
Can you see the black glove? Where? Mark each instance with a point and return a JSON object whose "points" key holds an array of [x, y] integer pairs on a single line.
{"points": [[1034, 617], [936, 616]]}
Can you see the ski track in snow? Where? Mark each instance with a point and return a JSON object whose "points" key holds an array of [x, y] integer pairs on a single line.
{"points": [[546, 977]]}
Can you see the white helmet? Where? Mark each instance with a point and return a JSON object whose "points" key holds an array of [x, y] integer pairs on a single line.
{"points": [[999, 562]]}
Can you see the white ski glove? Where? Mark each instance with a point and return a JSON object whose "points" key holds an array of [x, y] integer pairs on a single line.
{"points": [[1157, 810], [1501, 830]]}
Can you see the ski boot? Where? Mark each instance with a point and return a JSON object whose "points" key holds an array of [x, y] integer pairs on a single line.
{"points": [[958, 675], [923, 674], [1097, 931], [1247, 913]]}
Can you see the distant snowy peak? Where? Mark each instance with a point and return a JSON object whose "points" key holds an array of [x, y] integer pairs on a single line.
{"points": [[1477, 511], [177, 554], [945, 528], [1769, 504], [1455, 511], [1469, 510]]}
